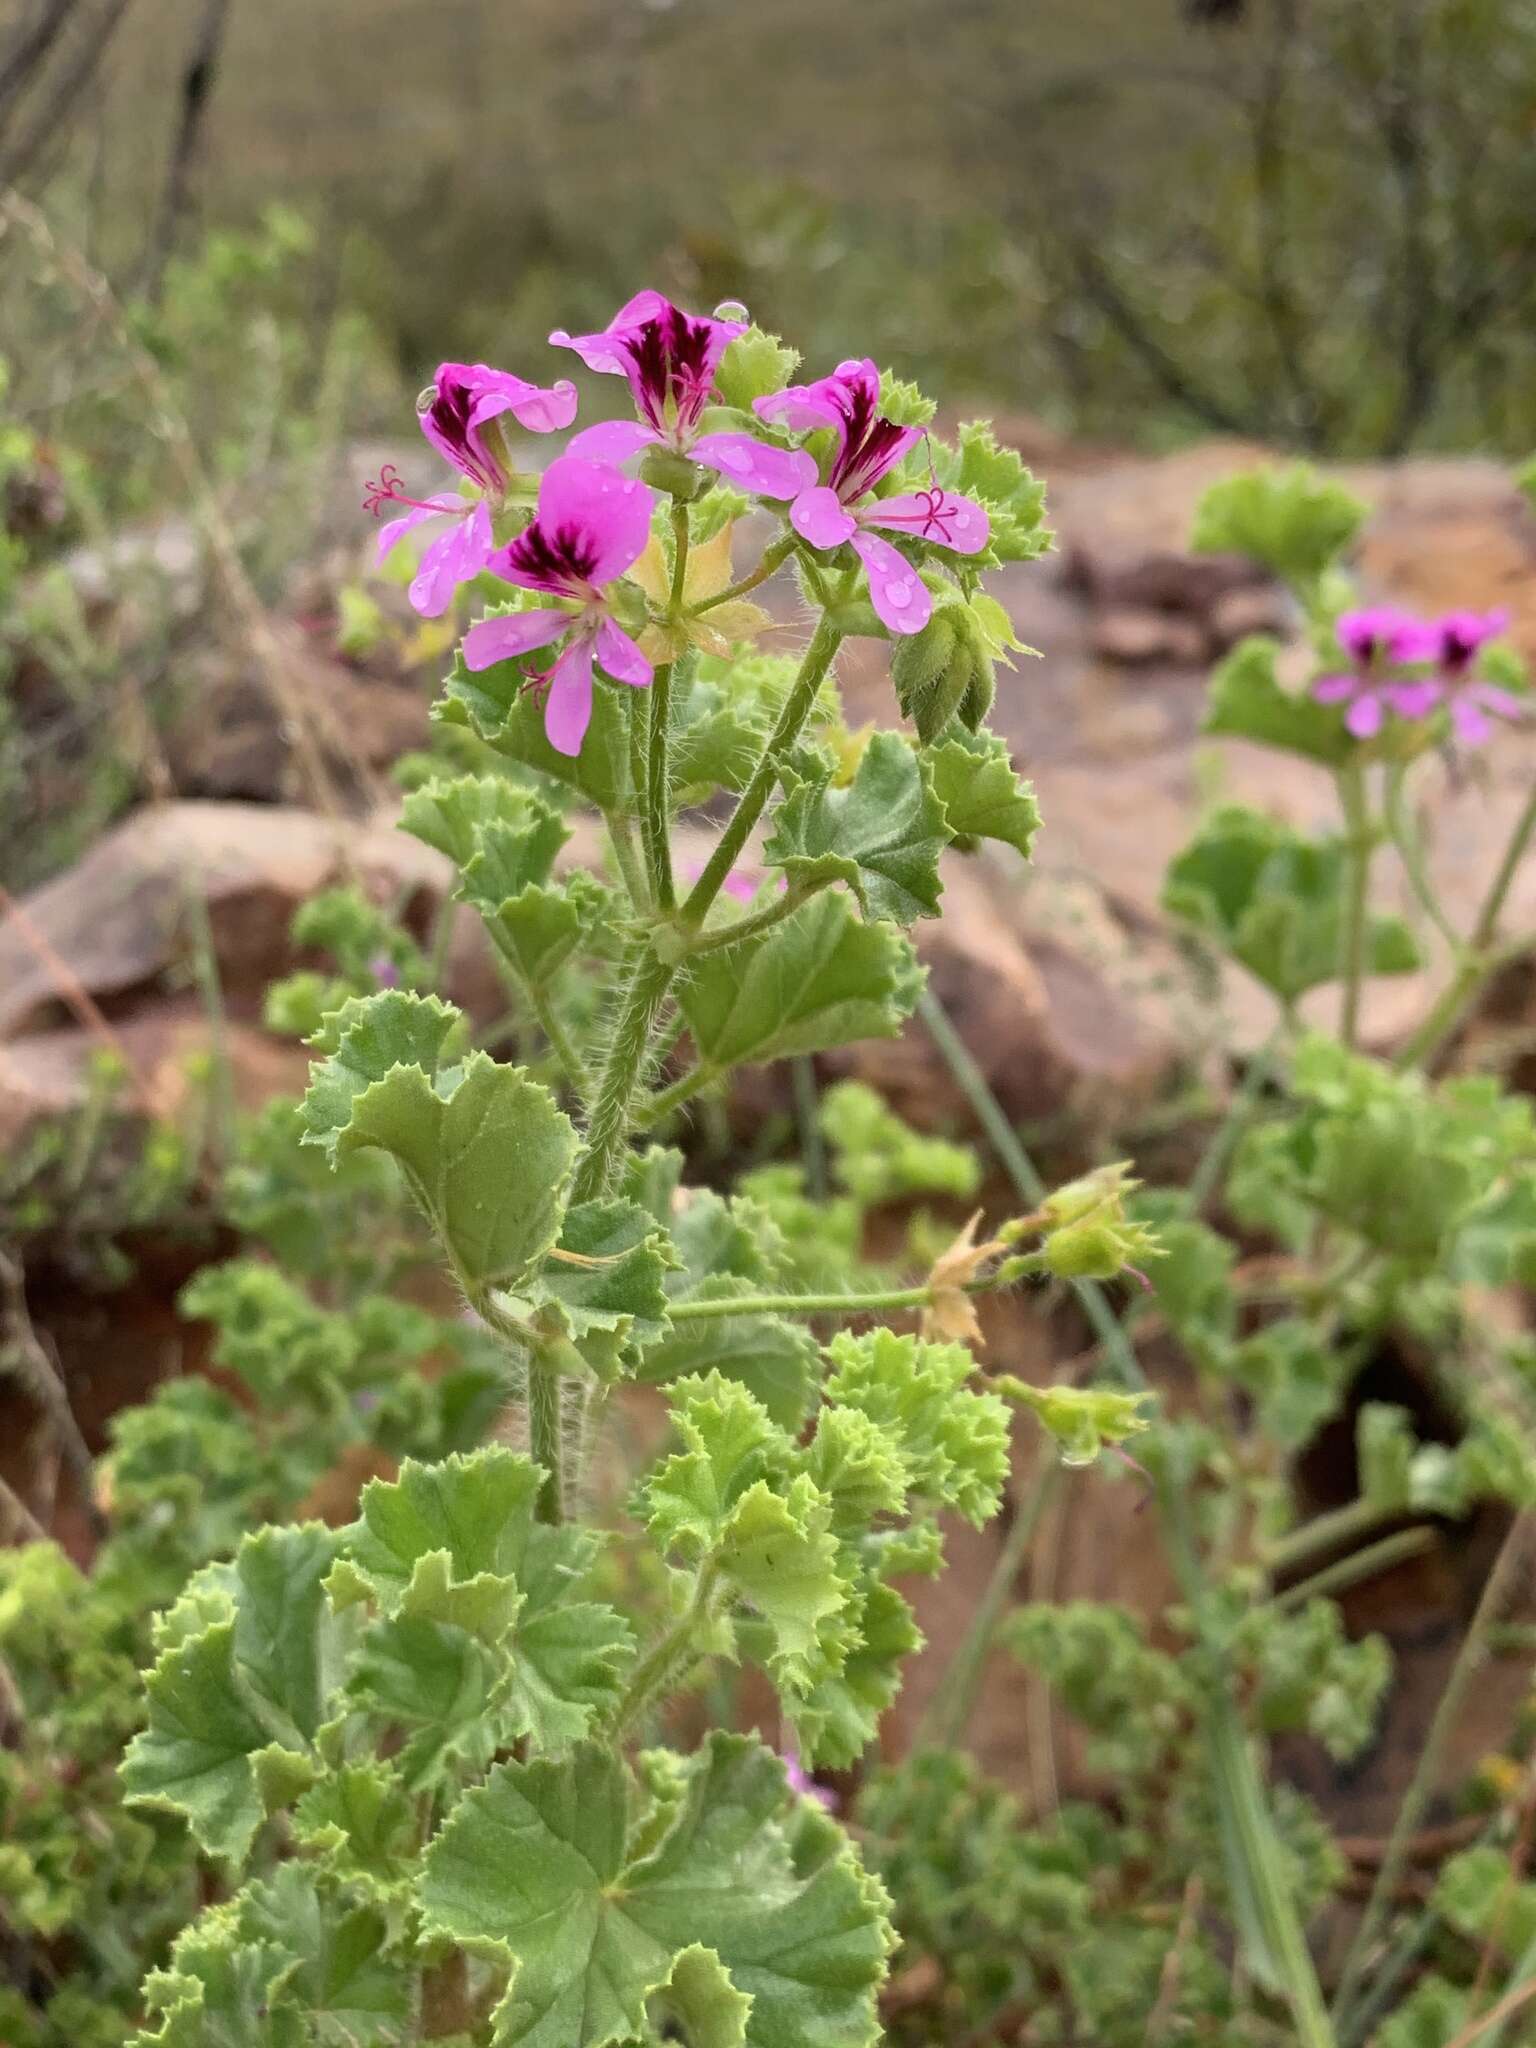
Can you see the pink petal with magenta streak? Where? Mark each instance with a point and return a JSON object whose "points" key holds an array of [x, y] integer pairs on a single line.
{"points": [[937, 516], [462, 552], [611, 513]]}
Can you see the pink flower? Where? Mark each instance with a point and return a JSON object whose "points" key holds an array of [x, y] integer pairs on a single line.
{"points": [[868, 447], [801, 1782], [456, 415], [669, 358], [1456, 639], [591, 526], [1375, 638]]}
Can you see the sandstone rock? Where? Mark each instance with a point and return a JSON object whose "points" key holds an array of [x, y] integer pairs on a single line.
{"points": [[1133, 637], [118, 920]]}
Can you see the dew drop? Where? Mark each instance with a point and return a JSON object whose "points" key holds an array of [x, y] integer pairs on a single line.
{"points": [[425, 400], [731, 309]]}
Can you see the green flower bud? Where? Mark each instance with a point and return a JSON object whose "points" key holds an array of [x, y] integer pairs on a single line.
{"points": [[944, 672], [1081, 1419], [665, 470]]}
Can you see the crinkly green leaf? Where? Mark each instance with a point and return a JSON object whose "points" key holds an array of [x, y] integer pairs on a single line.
{"points": [[878, 1158], [224, 1692], [496, 704], [441, 1686], [540, 928], [955, 1441], [778, 1551], [731, 1445], [982, 468], [485, 1150], [772, 1358], [754, 365], [982, 795], [699, 2004], [1290, 520], [819, 979], [485, 817], [360, 1822], [859, 1466], [532, 1866], [838, 1717], [438, 1528], [882, 833], [1275, 902], [1248, 702], [609, 1270]]}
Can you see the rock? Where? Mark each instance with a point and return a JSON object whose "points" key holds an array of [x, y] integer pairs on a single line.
{"points": [[1134, 637], [160, 567], [118, 920], [47, 1074]]}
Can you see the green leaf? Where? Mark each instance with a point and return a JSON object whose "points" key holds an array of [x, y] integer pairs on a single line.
{"points": [[983, 798], [532, 1865], [485, 1150], [541, 927], [838, 1717], [699, 2004], [1015, 501], [755, 364], [222, 1693], [819, 979], [878, 1158], [774, 1360], [1290, 520], [443, 1687], [442, 1528], [954, 1441], [1247, 702], [612, 1273], [882, 834], [1276, 903], [361, 1823], [860, 1468], [731, 1445], [778, 1551], [485, 818], [496, 704]]}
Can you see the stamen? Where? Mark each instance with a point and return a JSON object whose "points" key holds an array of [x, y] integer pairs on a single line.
{"points": [[385, 489], [935, 518]]}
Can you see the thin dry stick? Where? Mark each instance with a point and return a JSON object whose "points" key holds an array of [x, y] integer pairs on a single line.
{"points": [[21, 1517], [1173, 1962], [275, 646], [1521, 1995], [1519, 1857], [39, 1372]]}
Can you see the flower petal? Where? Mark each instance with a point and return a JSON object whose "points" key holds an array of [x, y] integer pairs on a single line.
{"points": [[1414, 700], [1335, 689], [1364, 716], [1472, 727], [502, 639], [612, 440], [620, 657], [568, 705], [537, 408], [452, 559], [755, 466], [937, 516], [605, 514], [819, 516], [1502, 703], [900, 597], [395, 530]]}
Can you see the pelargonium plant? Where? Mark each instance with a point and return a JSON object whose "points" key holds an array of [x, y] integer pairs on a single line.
{"points": [[427, 1737]]}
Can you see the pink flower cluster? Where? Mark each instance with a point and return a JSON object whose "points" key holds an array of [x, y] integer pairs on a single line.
{"points": [[1408, 668], [592, 523]]}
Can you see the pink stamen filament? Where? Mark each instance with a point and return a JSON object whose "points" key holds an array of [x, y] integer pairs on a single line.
{"points": [[385, 490]]}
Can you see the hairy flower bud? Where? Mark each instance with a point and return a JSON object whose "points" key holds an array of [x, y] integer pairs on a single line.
{"points": [[944, 672]]}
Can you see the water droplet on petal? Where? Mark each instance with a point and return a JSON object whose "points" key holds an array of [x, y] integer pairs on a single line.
{"points": [[426, 399], [731, 309]]}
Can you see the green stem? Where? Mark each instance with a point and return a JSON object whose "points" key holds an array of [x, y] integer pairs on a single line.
{"points": [[1479, 960], [876, 1300], [813, 1147], [989, 1113], [1359, 844], [572, 1065], [796, 710], [948, 1712], [626, 860], [1323, 1533], [546, 1439], [668, 1657], [1405, 837], [772, 558], [749, 927], [1359, 1565], [628, 1051], [657, 805], [1240, 1112], [1469, 1661], [666, 1100]]}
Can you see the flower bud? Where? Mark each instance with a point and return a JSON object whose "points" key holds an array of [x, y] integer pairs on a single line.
{"points": [[665, 470], [944, 672], [1085, 1232]]}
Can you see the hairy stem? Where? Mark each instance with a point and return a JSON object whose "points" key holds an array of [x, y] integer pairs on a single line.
{"points": [[629, 1051], [626, 860], [1469, 1661], [546, 1439], [748, 927], [796, 710], [773, 558], [1405, 838], [657, 811], [668, 1657], [667, 1099], [873, 1302], [1359, 1565]]}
